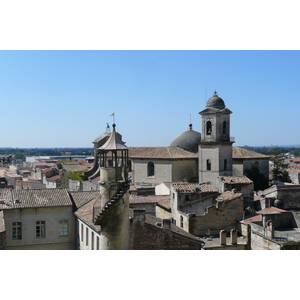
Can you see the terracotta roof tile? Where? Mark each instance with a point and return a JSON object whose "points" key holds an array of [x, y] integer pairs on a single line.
{"points": [[194, 187], [10, 199], [81, 198], [238, 152], [236, 179], [160, 153]]}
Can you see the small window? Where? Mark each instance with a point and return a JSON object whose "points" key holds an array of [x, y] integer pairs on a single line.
{"points": [[208, 165], [92, 240], [63, 227], [208, 128], [187, 197], [86, 236], [150, 169], [98, 243], [181, 221], [225, 164], [17, 230], [40, 229]]}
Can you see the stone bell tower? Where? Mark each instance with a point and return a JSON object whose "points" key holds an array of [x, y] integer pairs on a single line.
{"points": [[215, 147], [112, 211]]}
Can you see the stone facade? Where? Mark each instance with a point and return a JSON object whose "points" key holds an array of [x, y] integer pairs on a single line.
{"points": [[29, 217], [222, 215]]}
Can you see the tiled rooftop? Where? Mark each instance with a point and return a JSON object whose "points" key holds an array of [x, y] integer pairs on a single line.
{"points": [[151, 220], [194, 187], [81, 198], [227, 196], [238, 152], [85, 213], [236, 179], [160, 152], [10, 199]]}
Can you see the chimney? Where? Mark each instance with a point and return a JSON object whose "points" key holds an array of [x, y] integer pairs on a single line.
{"points": [[223, 237], [166, 224], [139, 215], [233, 236]]}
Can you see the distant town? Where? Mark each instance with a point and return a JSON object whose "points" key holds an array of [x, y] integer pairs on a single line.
{"points": [[199, 193]]}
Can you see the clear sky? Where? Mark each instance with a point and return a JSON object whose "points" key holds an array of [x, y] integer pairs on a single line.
{"points": [[76, 65], [65, 98]]}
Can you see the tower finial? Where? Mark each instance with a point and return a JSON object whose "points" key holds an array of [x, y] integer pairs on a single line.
{"points": [[215, 93]]}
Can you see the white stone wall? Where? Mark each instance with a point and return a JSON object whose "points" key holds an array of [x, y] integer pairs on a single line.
{"points": [[87, 237], [162, 189], [28, 217]]}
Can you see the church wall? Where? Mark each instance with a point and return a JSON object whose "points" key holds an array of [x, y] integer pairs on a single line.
{"points": [[28, 217], [184, 169], [162, 172]]}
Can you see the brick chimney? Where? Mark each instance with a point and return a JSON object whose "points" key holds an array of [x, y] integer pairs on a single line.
{"points": [[223, 237], [233, 236], [166, 224]]}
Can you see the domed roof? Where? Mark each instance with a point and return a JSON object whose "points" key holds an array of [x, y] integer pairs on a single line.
{"points": [[215, 102], [188, 140]]}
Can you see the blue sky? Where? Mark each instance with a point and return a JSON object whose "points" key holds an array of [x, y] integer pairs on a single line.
{"points": [[65, 98]]}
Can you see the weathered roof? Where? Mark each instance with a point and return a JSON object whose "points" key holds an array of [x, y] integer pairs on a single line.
{"points": [[239, 153], [236, 179], [194, 187], [11, 199], [85, 213], [173, 152], [188, 140], [151, 220], [81, 198], [74, 167], [133, 199], [228, 196]]}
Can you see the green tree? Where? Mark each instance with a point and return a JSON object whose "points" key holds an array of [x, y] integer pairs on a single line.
{"points": [[279, 170], [19, 155], [259, 180]]}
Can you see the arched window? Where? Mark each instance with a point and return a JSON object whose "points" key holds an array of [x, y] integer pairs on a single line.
{"points": [[208, 165], [150, 169], [208, 128], [16, 230], [225, 164], [224, 127]]}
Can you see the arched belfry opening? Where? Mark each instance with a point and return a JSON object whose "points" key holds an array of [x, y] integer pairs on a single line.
{"points": [[150, 169], [208, 128]]}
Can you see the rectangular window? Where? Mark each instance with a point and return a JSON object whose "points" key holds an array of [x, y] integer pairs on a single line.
{"points": [[17, 230], [40, 227], [92, 240], [86, 236], [63, 227]]}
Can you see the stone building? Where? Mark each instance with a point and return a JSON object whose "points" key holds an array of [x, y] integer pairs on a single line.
{"points": [[38, 219]]}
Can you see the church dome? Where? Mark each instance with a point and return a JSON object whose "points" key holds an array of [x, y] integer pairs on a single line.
{"points": [[215, 102], [188, 140]]}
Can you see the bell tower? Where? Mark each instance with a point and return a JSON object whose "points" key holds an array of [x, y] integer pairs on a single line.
{"points": [[112, 211], [215, 147]]}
